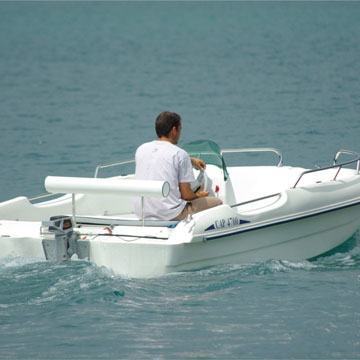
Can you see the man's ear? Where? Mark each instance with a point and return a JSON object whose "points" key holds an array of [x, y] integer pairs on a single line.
{"points": [[173, 131]]}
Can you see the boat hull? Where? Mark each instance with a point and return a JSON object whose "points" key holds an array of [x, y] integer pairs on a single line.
{"points": [[283, 222], [295, 240], [21, 239]]}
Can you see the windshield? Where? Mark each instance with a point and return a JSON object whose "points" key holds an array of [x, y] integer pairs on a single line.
{"points": [[209, 151]]}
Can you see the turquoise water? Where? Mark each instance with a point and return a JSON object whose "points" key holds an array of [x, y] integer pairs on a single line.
{"points": [[81, 84]]}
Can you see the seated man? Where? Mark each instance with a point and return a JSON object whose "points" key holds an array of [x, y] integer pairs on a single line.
{"points": [[163, 160]]}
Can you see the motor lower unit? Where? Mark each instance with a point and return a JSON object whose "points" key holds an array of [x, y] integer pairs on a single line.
{"points": [[60, 241]]}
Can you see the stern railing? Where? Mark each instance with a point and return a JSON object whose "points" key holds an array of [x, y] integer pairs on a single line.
{"points": [[97, 170], [103, 166]]}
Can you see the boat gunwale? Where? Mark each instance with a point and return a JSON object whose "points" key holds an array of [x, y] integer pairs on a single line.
{"points": [[265, 224]]}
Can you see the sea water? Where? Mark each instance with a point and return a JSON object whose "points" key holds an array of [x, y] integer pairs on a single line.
{"points": [[81, 84]]}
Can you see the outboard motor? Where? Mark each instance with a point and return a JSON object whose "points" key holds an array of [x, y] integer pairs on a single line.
{"points": [[59, 238]]}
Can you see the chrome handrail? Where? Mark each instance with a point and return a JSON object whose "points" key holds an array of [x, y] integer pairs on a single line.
{"points": [[255, 200], [42, 196], [347, 152], [339, 166], [248, 150], [103, 166]]}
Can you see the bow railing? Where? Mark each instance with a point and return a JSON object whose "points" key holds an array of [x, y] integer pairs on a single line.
{"points": [[335, 165]]}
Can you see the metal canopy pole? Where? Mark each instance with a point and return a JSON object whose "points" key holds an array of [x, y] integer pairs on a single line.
{"points": [[73, 209], [142, 211]]}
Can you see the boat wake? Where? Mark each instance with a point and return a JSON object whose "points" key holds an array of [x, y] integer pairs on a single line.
{"points": [[16, 261], [38, 283], [33, 282]]}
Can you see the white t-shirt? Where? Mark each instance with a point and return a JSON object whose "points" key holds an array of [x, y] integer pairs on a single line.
{"points": [[162, 160]]}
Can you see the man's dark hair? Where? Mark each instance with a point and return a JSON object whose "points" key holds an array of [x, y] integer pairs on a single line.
{"points": [[165, 121]]}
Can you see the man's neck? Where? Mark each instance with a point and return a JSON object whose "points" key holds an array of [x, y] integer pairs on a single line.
{"points": [[170, 140]]}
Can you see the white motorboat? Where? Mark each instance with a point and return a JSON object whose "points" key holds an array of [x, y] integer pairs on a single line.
{"points": [[268, 212]]}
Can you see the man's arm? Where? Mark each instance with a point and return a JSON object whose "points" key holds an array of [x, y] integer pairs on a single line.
{"points": [[188, 195], [198, 164]]}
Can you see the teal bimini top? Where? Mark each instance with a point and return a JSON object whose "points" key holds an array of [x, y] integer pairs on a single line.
{"points": [[208, 151]]}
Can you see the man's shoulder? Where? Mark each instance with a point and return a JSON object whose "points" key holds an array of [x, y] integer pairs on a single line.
{"points": [[177, 151], [162, 146], [145, 146]]}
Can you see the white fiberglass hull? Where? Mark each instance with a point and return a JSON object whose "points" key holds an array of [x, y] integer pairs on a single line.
{"points": [[293, 240], [265, 216]]}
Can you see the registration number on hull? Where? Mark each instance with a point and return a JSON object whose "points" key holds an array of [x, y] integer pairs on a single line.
{"points": [[226, 223]]}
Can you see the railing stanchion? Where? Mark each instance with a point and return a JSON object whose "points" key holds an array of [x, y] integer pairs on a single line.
{"points": [[73, 209], [142, 211]]}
